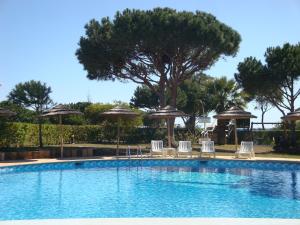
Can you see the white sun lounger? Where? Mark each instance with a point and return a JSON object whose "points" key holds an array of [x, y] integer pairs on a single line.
{"points": [[157, 147], [245, 149], [185, 147], [203, 139], [208, 147]]}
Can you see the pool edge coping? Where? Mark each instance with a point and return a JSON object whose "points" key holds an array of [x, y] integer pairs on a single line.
{"points": [[65, 160], [157, 221]]}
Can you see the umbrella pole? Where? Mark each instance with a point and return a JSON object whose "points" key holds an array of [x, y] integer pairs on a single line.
{"points": [[61, 138], [235, 135], [118, 137], [284, 128], [169, 133]]}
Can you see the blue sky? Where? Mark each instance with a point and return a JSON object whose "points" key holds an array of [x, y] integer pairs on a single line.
{"points": [[39, 38]]}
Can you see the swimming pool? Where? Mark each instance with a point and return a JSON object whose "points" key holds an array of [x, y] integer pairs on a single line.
{"points": [[150, 188]]}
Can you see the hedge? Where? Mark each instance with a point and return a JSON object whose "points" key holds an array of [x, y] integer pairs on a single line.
{"points": [[26, 134]]}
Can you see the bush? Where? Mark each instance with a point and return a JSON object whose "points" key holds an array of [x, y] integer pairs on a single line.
{"points": [[26, 134]]}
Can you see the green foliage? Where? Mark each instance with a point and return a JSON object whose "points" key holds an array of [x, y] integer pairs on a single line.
{"points": [[159, 48], [199, 95], [23, 114], [93, 111], [32, 94], [76, 119], [93, 114], [15, 134], [197, 100], [25, 134], [274, 81], [224, 94], [298, 125], [109, 45], [80, 106], [144, 98]]}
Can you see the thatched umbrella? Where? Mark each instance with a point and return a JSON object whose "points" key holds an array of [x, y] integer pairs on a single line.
{"points": [[61, 110], [168, 113], [292, 116], [6, 113], [234, 113], [119, 113]]}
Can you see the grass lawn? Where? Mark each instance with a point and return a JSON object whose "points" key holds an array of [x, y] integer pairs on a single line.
{"points": [[265, 151], [221, 150]]}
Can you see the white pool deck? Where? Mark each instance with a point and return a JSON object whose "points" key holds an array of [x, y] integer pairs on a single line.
{"points": [[156, 221], [147, 221]]}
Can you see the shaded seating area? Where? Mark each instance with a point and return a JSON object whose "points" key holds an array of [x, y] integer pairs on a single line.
{"points": [[60, 111], [119, 113], [233, 114]]}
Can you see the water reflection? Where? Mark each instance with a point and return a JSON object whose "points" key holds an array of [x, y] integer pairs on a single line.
{"points": [[294, 185], [60, 182], [278, 184], [274, 184]]}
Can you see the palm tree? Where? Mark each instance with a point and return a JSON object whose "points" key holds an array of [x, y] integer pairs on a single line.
{"points": [[225, 93]]}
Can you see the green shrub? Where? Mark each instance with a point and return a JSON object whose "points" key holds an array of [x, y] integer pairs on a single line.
{"points": [[26, 134]]}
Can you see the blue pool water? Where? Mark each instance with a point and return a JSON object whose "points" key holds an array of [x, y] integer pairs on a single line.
{"points": [[150, 188]]}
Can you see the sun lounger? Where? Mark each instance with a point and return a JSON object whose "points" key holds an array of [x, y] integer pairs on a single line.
{"points": [[208, 147], [245, 149], [185, 147], [157, 147]]}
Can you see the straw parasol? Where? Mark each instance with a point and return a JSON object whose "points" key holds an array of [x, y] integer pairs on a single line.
{"points": [[168, 113], [118, 113], [292, 116], [6, 113], [234, 113], [60, 110]]}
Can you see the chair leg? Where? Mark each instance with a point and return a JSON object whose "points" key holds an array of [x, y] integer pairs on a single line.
{"points": [[129, 153]]}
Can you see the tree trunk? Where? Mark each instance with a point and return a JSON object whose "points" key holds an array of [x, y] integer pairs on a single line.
{"points": [[173, 104], [262, 118], [190, 124], [293, 133], [40, 133], [293, 123], [162, 92], [162, 100]]}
